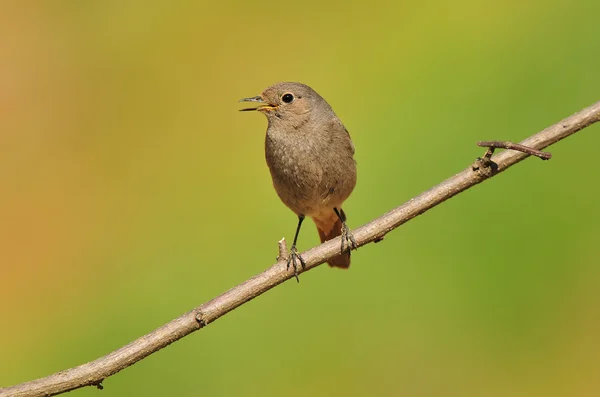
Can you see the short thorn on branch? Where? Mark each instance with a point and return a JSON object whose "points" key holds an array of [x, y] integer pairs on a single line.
{"points": [[283, 252], [98, 385]]}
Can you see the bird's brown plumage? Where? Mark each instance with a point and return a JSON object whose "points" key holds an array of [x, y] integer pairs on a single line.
{"points": [[310, 156]]}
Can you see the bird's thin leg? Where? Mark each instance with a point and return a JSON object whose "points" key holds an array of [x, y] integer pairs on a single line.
{"points": [[348, 239], [294, 255]]}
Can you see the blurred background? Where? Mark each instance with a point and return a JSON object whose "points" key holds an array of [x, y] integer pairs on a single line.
{"points": [[132, 190]]}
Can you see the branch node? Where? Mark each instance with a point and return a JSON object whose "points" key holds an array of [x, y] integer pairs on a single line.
{"points": [[200, 319], [484, 166]]}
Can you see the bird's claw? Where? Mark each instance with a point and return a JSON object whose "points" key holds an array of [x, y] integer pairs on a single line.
{"points": [[293, 259], [348, 240]]}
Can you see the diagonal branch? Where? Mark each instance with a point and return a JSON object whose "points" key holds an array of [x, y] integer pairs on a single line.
{"points": [[94, 372]]}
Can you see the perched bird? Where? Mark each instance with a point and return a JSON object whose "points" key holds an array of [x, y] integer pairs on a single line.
{"points": [[310, 155]]}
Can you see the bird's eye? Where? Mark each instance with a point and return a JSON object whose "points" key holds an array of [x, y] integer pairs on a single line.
{"points": [[287, 98]]}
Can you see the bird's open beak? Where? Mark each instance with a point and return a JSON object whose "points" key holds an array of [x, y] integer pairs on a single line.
{"points": [[259, 99]]}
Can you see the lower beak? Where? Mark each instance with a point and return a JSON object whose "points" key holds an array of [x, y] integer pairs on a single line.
{"points": [[258, 99]]}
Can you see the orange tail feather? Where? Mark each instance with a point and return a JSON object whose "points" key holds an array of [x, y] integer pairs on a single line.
{"points": [[341, 260]]}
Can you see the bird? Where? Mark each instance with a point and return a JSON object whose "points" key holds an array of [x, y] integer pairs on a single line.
{"points": [[311, 160]]}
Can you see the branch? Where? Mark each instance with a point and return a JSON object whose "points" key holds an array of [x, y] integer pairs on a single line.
{"points": [[491, 145], [94, 372]]}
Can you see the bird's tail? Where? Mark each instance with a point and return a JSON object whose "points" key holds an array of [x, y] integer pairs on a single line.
{"points": [[329, 229]]}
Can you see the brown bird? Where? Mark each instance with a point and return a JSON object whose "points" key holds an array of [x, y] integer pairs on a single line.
{"points": [[310, 155]]}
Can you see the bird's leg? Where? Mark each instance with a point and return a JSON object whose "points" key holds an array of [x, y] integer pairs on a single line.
{"points": [[294, 255], [348, 240]]}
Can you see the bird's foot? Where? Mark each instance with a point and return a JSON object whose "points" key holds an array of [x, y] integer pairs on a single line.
{"points": [[348, 240], [293, 260]]}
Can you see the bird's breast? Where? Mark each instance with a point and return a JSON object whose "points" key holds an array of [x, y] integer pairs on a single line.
{"points": [[307, 173], [292, 161]]}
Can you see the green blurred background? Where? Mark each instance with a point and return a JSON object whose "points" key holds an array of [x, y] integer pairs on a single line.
{"points": [[132, 190]]}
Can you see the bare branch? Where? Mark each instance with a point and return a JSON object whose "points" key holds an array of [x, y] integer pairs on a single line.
{"points": [[93, 373]]}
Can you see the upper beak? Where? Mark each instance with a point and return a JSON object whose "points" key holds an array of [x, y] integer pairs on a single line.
{"points": [[256, 99]]}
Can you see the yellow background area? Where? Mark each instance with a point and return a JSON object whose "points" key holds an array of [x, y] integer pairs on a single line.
{"points": [[132, 190]]}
